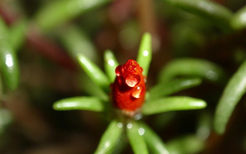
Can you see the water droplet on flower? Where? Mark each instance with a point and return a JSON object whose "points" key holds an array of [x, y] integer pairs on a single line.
{"points": [[137, 92], [131, 81]]}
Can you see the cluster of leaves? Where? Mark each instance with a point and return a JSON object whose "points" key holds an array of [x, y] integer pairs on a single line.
{"points": [[173, 78], [228, 22], [138, 133]]}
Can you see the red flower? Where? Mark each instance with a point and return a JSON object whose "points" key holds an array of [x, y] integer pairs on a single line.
{"points": [[128, 89]]}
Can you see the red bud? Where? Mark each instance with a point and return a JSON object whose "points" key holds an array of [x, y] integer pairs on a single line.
{"points": [[128, 89]]}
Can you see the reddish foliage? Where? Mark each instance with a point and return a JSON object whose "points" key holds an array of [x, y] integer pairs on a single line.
{"points": [[128, 89]]}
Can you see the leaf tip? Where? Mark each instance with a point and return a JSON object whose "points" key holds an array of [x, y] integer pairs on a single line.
{"points": [[56, 106], [200, 104]]}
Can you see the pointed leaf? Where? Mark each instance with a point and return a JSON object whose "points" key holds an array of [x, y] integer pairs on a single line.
{"points": [[204, 126], [238, 20], [77, 42], [120, 145], [110, 138], [164, 89], [8, 60], [145, 53], [174, 103], [5, 120], [192, 68], [153, 141], [210, 11], [1, 86], [135, 135], [93, 71], [17, 34], [110, 63], [185, 145], [58, 12], [79, 103], [233, 92]]}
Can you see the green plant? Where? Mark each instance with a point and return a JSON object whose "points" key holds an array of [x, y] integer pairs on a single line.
{"points": [[11, 40], [200, 44], [229, 99], [139, 134]]}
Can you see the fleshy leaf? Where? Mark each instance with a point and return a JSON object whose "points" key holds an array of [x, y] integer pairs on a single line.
{"points": [[229, 99], [145, 53], [174, 103], [210, 11], [8, 60], [110, 63], [176, 85], [204, 126], [58, 12], [185, 145], [79, 103], [135, 135], [238, 21], [189, 67], [17, 34], [110, 138], [5, 120], [77, 42], [93, 71], [153, 141]]}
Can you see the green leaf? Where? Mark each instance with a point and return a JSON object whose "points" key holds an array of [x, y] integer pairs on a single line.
{"points": [[204, 126], [77, 42], [58, 12], [8, 60], [153, 141], [135, 135], [94, 72], [79, 103], [185, 145], [210, 11], [233, 92], [1, 85], [91, 88], [238, 21], [17, 34], [145, 53], [189, 67], [110, 63], [110, 138], [174, 103], [5, 120], [120, 145], [176, 85]]}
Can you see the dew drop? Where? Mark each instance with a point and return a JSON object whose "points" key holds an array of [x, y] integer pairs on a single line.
{"points": [[129, 125], [141, 131], [131, 81], [137, 92], [119, 124]]}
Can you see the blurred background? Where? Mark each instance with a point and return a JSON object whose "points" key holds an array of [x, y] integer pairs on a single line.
{"points": [[54, 31]]}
